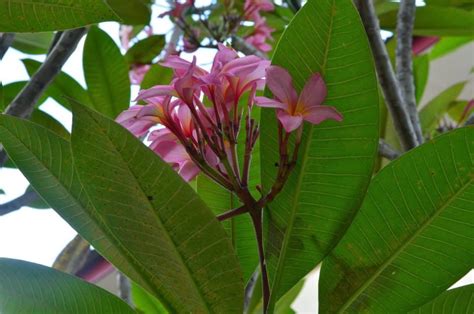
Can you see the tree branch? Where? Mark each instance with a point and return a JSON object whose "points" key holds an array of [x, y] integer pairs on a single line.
{"points": [[25, 101], [404, 62], [24, 200], [73, 256], [125, 289], [388, 82], [6, 41], [387, 151], [241, 45]]}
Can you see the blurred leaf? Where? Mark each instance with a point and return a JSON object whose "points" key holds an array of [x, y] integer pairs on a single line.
{"points": [[45, 15], [412, 237], [62, 87], [447, 45], [140, 197], [438, 106], [145, 50], [42, 118], [33, 43], [31, 288], [336, 160], [459, 300], [132, 12], [421, 68], [157, 75], [106, 74], [2, 191], [144, 302], [465, 4], [456, 110], [435, 21]]}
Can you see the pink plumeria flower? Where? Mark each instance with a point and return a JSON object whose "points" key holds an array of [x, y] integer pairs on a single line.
{"points": [[262, 32], [291, 109], [252, 7], [137, 73], [138, 119]]}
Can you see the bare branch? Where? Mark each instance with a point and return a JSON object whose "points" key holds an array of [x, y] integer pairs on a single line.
{"points": [[247, 49], [24, 200], [388, 82], [124, 288], [6, 41], [73, 256], [404, 62], [387, 151]]}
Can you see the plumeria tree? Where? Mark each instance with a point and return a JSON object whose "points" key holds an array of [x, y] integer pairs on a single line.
{"points": [[219, 187]]}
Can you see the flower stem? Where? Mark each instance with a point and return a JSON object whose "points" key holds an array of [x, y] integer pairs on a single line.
{"points": [[232, 213]]}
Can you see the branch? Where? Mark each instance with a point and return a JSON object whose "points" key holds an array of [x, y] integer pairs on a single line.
{"points": [[387, 151], [470, 120], [73, 256], [232, 213], [24, 200], [404, 62], [6, 41], [125, 292], [25, 101], [388, 82], [241, 45]]}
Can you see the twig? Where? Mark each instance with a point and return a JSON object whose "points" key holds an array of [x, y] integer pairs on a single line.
{"points": [[388, 82], [73, 256], [6, 41], [25, 101], [24, 200], [232, 213], [257, 223], [404, 62], [125, 292], [247, 49], [387, 151]]}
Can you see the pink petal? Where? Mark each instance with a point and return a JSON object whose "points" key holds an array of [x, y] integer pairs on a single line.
{"points": [[158, 90], [289, 122], [280, 83], [188, 171], [318, 114], [314, 92], [270, 103]]}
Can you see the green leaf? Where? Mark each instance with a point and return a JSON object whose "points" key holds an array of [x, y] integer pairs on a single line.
{"points": [[62, 87], [466, 4], [447, 45], [2, 192], [132, 12], [33, 43], [438, 106], [412, 237], [459, 300], [39, 203], [421, 68], [156, 75], [106, 74], [30, 288], [336, 159], [144, 51], [456, 110], [45, 15], [144, 302], [44, 119], [10, 91], [435, 21], [168, 232]]}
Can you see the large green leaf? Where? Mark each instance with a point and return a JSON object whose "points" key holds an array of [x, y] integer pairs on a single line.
{"points": [[412, 237], [156, 75], [42, 118], [336, 159], [447, 45], [132, 12], [144, 51], [421, 69], [459, 300], [33, 43], [106, 73], [167, 231], [436, 21], [48, 15], [30, 288], [144, 302]]}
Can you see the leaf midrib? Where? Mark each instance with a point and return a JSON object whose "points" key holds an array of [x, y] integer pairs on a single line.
{"points": [[286, 238], [405, 244]]}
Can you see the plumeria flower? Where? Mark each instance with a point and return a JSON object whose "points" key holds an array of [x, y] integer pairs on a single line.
{"points": [[262, 32], [252, 7], [291, 109]]}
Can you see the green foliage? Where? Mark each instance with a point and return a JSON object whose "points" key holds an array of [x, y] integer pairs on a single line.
{"points": [[336, 159], [131, 12], [31, 288], [45, 15], [33, 43], [106, 74], [412, 237], [145, 50], [144, 302], [42, 118], [421, 69], [157, 75], [447, 45], [459, 300], [166, 230]]}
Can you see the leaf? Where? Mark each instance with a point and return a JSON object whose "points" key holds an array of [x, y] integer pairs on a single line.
{"points": [[435, 21], [438, 106], [144, 302], [132, 12], [156, 75], [44, 119], [421, 69], [447, 45], [459, 300], [459, 110], [45, 15], [145, 50], [467, 4], [30, 288], [106, 74], [11, 90], [166, 230], [39, 203], [33, 43], [412, 237], [62, 87], [2, 192], [336, 159]]}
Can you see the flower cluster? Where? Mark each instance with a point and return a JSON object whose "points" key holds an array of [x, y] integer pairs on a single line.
{"points": [[196, 122], [262, 32], [137, 71]]}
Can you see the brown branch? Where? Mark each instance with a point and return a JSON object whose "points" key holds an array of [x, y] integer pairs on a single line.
{"points": [[6, 41], [387, 79], [73, 256], [404, 62], [241, 45]]}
